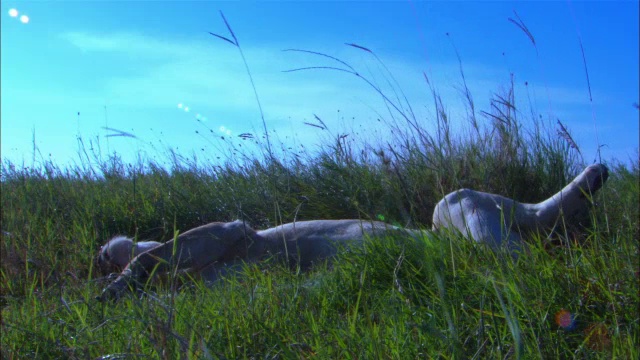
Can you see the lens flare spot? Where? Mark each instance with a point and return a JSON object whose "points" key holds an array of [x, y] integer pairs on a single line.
{"points": [[186, 109], [565, 319], [222, 129], [13, 12], [24, 19], [180, 106]]}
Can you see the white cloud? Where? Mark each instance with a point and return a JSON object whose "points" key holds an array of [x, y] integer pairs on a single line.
{"points": [[126, 42], [210, 78]]}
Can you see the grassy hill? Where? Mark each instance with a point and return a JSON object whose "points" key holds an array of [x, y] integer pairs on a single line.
{"points": [[575, 293]]}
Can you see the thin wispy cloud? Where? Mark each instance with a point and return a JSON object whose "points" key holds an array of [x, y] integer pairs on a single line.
{"points": [[203, 68], [126, 42], [209, 76]]}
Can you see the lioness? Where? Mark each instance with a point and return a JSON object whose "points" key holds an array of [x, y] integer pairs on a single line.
{"points": [[499, 221], [117, 252], [213, 248]]}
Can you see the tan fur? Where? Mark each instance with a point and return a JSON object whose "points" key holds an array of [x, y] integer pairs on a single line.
{"points": [[117, 252], [213, 249], [500, 221]]}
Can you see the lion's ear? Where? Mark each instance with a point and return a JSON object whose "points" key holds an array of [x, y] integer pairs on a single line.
{"points": [[240, 228], [241, 222]]}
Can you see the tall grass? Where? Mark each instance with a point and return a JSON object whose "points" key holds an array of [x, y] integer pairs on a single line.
{"points": [[440, 296]]}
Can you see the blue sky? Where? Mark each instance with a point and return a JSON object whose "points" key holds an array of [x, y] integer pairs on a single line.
{"points": [[136, 65]]}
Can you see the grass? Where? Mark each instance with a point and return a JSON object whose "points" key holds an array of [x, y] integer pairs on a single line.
{"points": [[574, 296]]}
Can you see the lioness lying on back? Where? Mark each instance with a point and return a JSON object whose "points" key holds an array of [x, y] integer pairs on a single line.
{"points": [[211, 249], [500, 222]]}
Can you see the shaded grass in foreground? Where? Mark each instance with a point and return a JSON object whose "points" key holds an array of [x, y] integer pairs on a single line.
{"points": [[394, 298]]}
